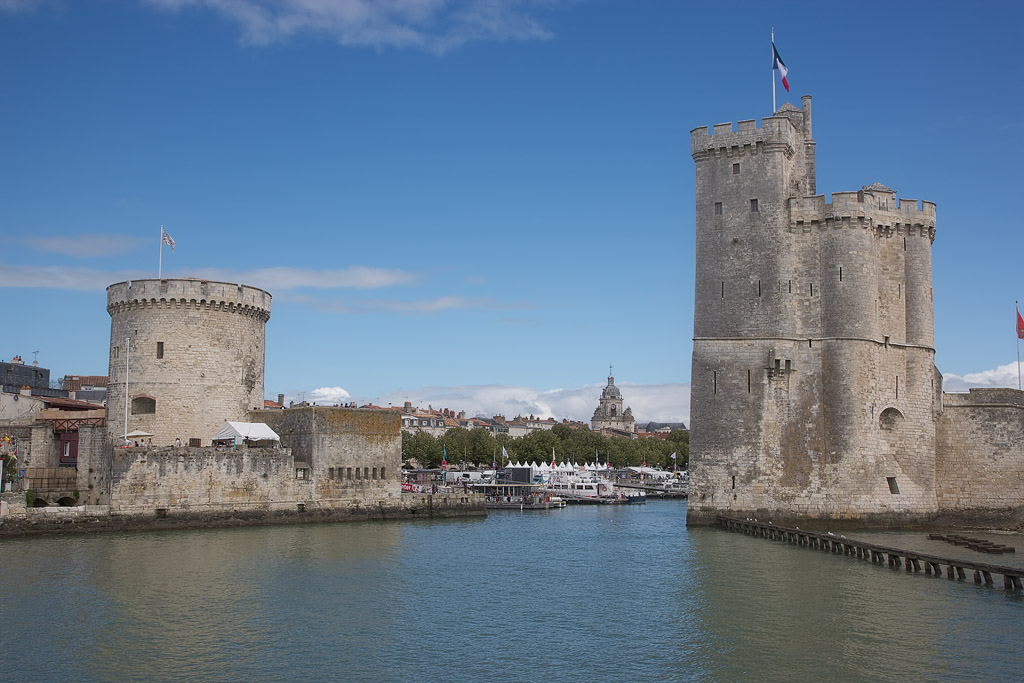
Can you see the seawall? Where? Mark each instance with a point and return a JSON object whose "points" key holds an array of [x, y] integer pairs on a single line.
{"points": [[18, 520]]}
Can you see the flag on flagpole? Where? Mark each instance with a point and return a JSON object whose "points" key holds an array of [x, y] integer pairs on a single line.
{"points": [[166, 239], [1020, 326], [779, 65]]}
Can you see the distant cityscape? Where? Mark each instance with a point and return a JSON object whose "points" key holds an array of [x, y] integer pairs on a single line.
{"points": [[610, 418]]}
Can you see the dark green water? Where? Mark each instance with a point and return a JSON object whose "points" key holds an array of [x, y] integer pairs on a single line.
{"points": [[584, 593]]}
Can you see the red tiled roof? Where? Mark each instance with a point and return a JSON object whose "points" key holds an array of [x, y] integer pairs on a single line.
{"points": [[271, 404]]}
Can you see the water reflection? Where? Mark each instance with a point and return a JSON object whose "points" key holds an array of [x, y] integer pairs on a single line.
{"points": [[214, 604], [781, 609], [624, 593]]}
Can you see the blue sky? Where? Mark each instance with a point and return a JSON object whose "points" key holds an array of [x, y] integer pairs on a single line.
{"points": [[478, 204]]}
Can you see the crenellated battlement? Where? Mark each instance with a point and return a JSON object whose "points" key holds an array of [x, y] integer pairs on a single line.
{"points": [[875, 209], [777, 132], [190, 293]]}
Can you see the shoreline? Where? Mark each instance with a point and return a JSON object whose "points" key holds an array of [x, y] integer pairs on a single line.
{"points": [[48, 521]]}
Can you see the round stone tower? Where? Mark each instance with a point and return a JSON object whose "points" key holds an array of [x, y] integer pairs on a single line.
{"points": [[192, 352]]}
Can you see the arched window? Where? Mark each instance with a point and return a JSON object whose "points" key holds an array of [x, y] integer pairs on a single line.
{"points": [[142, 405], [890, 420]]}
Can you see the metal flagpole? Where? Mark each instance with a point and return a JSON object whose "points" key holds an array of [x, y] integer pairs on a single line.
{"points": [[1016, 305], [160, 263], [773, 71]]}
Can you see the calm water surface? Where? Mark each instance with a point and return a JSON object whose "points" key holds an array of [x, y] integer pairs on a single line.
{"points": [[623, 593]]}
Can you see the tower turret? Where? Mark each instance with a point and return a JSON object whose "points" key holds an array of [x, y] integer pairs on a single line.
{"points": [[813, 366], [192, 352]]}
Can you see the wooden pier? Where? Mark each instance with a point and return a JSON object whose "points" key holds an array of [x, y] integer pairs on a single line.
{"points": [[931, 565]]}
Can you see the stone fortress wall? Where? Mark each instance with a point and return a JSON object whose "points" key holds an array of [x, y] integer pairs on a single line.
{"points": [[979, 466], [196, 356], [197, 360], [351, 452], [814, 392]]}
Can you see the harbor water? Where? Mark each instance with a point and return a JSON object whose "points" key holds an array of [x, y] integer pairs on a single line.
{"points": [[624, 593]]}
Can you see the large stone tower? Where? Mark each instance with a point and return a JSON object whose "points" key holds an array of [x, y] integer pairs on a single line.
{"points": [[814, 392], [196, 356]]}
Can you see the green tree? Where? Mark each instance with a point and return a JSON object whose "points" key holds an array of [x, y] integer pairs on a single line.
{"points": [[537, 446], [481, 446], [422, 446], [680, 441], [584, 445], [456, 443], [563, 432]]}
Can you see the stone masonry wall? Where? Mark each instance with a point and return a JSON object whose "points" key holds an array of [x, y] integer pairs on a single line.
{"points": [[350, 451], [196, 349], [979, 452], [813, 383], [94, 461], [189, 480]]}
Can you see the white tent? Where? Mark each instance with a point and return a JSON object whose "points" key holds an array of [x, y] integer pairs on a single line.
{"points": [[246, 431]]}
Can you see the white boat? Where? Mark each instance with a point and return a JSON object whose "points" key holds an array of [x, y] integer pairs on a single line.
{"points": [[587, 488]]}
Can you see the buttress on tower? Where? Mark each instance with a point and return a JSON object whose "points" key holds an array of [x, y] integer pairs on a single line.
{"points": [[814, 391]]}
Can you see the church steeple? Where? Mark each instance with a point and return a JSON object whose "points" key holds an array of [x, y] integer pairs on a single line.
{"points": [[609, 412]]}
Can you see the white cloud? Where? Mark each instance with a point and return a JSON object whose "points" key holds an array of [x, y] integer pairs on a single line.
{"points": [[1002, 376], [327, 395], [85, 245], [285, 278], [650, 402], [434, 25], [63, 277], [21, 5], [271, 279]]}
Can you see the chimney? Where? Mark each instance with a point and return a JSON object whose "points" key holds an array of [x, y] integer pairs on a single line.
{"points": [[280, 399]]}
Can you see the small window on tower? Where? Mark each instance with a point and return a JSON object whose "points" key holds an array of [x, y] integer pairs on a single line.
{"points": [[735, 169], [159, 349], [753, 206], [718, 208], [143, 405]]}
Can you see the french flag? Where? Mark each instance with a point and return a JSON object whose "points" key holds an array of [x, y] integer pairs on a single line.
{"points": [[780, 66]]}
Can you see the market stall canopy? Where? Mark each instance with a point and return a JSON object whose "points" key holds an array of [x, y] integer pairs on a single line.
{"points": [[138, 434], [246, 431]]}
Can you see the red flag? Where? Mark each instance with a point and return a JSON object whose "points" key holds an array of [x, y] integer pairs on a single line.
{"points": [[1020, 326]]}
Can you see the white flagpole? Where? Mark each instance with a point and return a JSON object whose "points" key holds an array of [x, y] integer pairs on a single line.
{"points": [[160, 263], [773, 71], [1016, 305]]}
